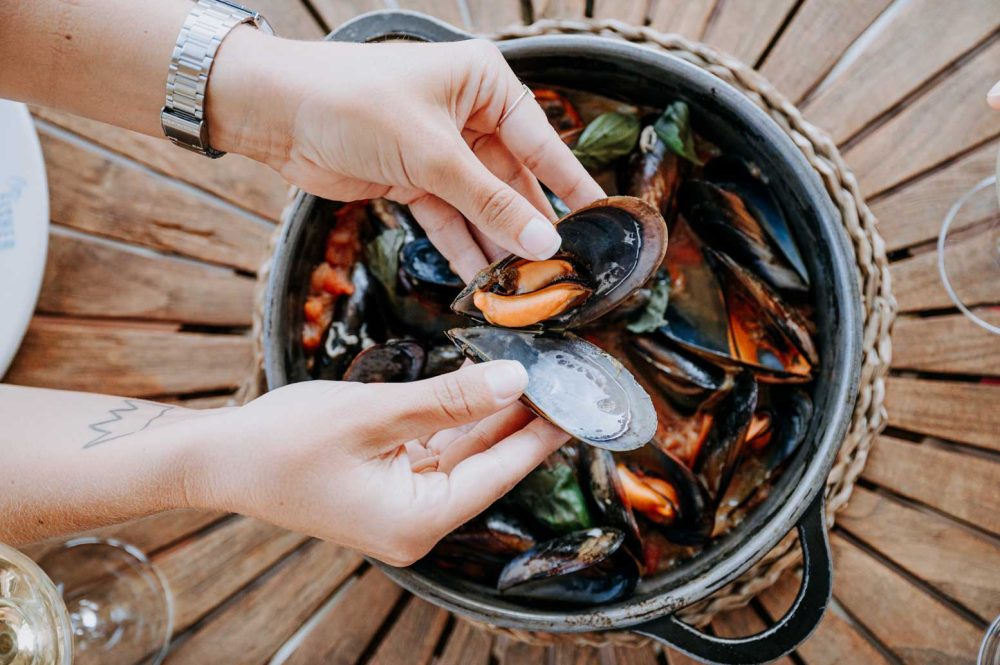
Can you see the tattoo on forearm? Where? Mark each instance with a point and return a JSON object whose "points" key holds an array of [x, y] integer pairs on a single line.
{"points": [[127, 420]]}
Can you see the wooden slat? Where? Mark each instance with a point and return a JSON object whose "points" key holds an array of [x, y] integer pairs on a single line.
{"points": [[342, 634], [917, 627], [290, 18], [412, 639], [686, 17], [834, 642], [916, 281], [677, 658], [936, 125], [85, 276], [255, 626], [744, 29], [823, 30], [630, 11], [514, 652], [914, 213], [630, 656], [135, 361], [335, 12], [559, 8], [742, 622], [91, 192], [950, 344], [959, 563], [237, 179], [201, 574], [954, 483], [568, 653], [467, 645], [964, 412], [489, 15], [922, 39], [446, 10]]}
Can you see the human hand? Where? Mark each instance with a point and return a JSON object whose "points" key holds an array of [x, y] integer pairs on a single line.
{"points": [[386, 469], [416, 123], [993, 96]]}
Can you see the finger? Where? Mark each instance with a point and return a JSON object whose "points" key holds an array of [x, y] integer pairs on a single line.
{"points": [[531, 139], [493, 251], [410, 410], [494, 154], [446, 228], [993, 96], [483, 436], [476, 482], [505, 216]]}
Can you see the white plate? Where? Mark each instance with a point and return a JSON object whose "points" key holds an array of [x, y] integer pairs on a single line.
{"points": [[24, 225]]}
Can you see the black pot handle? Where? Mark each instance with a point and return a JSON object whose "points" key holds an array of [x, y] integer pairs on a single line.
{"points": [[397, 24], [781, 638]]}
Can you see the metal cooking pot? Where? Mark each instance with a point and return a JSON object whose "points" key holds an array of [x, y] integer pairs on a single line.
{"points": [[643, 76]]}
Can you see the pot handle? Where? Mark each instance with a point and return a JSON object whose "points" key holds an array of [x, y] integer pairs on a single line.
{"points": [[386, 24], [781, 638]]}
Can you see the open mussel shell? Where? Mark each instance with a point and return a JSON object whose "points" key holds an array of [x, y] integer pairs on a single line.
{"points": [[586, 567], [396, 361], [481, 547], [424, 264], [571, 383], [611, 247], [608, 494], [723, 449], [684, 378]]}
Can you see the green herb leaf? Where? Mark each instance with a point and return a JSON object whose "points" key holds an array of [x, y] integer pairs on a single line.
{"points": [[674, 129], [552, 495], [608, 137], [653, 315], [382, 258]]}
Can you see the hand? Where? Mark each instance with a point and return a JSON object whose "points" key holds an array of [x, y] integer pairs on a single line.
{"points": [[386, 469], [993, 96], [416, 123]]}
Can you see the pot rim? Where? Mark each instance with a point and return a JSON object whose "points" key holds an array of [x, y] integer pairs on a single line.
{"points": [[734, 558]]}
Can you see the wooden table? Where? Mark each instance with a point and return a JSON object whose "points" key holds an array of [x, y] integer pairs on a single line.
{"points": [[145, 302]]}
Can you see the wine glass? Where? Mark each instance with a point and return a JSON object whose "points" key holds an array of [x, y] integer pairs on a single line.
{"points": [[88, 600], [968, 253]]}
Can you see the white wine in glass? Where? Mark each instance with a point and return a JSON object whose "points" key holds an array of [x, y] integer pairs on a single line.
{"points": [[88, 600]]}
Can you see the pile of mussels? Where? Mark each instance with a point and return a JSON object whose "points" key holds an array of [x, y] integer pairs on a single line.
{"points": [[682, 369]]}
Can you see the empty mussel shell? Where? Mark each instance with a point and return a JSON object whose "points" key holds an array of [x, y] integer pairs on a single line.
{"points": [[571, 383], [396, 361]]}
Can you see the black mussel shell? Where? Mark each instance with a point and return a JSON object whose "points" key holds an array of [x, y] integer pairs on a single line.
{"points": [[724, 222], [396, 361], [618, 243], [587, 567], [481, 547], [685, 379], [792, 414], [571, 383], [654, 173], [721, 453], [353, 319], [608, 496], [423, 263], [443, 358], [746, 180]]}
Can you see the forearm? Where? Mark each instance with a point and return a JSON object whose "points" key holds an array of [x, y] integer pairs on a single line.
{"points": [[75, 461]]}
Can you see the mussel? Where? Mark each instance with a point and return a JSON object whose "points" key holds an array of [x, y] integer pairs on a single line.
{"points": [[608, 494], [654, 174], [720, 455], [396, 361], [561, 114], [481, 547]]}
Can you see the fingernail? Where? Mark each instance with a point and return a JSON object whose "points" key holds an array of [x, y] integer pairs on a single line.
{"points": [[539, 238], [993, 96], [507, 379]]}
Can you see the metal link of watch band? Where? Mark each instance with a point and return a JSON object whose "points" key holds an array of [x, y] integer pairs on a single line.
{"points": [[183, 114]]}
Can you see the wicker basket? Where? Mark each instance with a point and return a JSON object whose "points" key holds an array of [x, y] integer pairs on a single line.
{"points": [[869, 416]]}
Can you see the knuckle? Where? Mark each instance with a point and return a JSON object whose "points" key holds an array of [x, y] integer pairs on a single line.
{"points": [[453, 399], [497, 209], [537, 156]]}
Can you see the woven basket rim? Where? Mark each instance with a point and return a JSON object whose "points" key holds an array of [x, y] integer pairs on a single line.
{"points": [[869, 417]]}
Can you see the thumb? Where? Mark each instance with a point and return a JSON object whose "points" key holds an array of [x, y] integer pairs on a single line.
{"points": [[413, 410], [493, 206]]}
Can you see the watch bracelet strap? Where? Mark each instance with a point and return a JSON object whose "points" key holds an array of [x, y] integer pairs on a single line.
{"points": [[183, 115]]}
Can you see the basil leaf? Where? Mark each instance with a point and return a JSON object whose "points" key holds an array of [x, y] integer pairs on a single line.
{"points": [[674, 129], [382, 258], [553, 497], [608, 137], [653, 315]]}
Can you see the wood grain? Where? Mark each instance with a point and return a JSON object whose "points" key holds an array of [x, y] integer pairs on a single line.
{"points": [[335, 12], [958, 562], [908, 51], [685, 17], [449, 11], [949, 119], [568, 653], [914, 213], [677, 658], [203, 573], [917, 627], [412, 639], [955, 483], [834, 642], [343, 633], [744, 29], [86, 276], [559, 8], [289, 18], [87, 192], [237, 179], [467, 645], [965, 412], [261, 620], [917, 281], [823, 30], [621, 655], [489, 15], [630, 11], [950, 344], [133, 360], [742, 622], [514, 652]]}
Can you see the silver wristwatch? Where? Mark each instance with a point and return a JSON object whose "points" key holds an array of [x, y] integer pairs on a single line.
{"points": [[183, 114]]}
